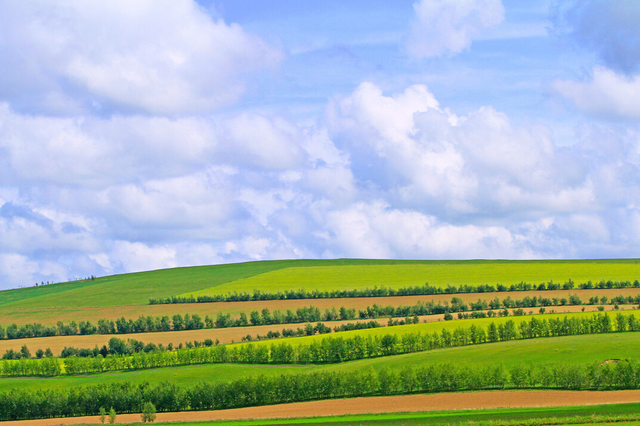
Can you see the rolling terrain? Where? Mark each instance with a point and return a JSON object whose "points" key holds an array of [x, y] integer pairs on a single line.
{"points": [[127, 296]]}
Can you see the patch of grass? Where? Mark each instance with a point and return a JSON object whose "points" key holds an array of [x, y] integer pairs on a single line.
{"points": [[436, 273]]}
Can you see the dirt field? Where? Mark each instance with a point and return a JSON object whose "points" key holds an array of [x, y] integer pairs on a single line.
{"points": [[224, 335], [388, 404], [49, 316]]}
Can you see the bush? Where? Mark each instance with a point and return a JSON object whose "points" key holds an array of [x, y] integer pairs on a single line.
{"points": [[103, 414], [112, 416], [148, 412]]}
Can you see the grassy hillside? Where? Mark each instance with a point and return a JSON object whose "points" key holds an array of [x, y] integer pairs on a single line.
{"points": [[137, 288], [340, 277], [568, 349]]}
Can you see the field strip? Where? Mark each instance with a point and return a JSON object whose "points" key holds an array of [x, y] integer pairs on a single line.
{"points": [[380, 404], [230, 335], [50, 316]]}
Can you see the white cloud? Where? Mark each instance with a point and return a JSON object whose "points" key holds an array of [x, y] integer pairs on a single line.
{"points": [[374, 230], [449, 26], [607, 94], [136, 256], [433, 159], [162, 57]]}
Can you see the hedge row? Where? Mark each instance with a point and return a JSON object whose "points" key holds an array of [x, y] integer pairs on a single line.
{"points": [[418, 290]]}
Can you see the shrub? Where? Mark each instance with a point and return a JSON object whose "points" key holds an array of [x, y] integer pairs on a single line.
{"points": [[148, 412], [112, 416]]}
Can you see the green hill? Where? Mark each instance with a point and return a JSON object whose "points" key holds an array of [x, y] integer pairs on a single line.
{"points": [[138, 288]]}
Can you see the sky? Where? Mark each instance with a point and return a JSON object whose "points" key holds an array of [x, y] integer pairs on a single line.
{"points": [[147, 134]]}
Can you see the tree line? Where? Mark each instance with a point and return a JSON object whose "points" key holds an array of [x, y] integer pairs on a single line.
{"points": [[145, 324], [336, 349], [382, 291], [129, 397]]}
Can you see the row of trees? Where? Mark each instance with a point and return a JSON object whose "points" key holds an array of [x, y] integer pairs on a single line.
{"points": [[128, 397], [303, 314], [382, 291], [336, 349]]}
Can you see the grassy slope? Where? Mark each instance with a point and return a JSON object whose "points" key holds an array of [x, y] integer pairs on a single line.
{"points": [[568, 349], [131, 289], [136, 289], [435, 273]]}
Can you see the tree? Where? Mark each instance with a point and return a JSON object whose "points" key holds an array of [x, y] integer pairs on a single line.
{"points": [[24, 352], [112, 416], [148, 412], [103, 414]]}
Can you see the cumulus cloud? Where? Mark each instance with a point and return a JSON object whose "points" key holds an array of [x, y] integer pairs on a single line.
{"points": [[374, 230], [608, 28], [160, 57], [607, 94], [448, 26], [430, 158]]}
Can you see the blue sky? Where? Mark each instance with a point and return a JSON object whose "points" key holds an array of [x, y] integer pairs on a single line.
{"points": [[153, 134]]}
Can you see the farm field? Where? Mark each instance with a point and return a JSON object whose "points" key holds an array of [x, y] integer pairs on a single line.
{"points": [[436, 274], [66, 313], [101, 299], [232, 335], [310, 274], [557, 350], [496, 407]]}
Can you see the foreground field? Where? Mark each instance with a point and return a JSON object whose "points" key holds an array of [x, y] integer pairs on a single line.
{"points": [[561, 350], [436, 403]]}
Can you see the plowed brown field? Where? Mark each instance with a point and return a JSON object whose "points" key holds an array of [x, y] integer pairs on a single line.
{"points": [[386, 404]]}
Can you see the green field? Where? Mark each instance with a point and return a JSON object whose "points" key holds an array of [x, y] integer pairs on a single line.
{"points": [[568, 349], [584, 415], [136, 289], [435, 273]]}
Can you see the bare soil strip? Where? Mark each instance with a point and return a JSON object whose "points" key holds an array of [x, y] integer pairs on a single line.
{"points": [[224, 335], [381, 404], [50, 316]]}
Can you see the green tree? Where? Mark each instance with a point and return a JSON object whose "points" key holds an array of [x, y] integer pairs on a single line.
{"points": [[112, 416], [24, 352], [103, 414], [148, 412]]}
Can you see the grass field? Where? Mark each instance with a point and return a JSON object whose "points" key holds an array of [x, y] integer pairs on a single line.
{"points": [[311, 274], [435, 273], [568, 349]]}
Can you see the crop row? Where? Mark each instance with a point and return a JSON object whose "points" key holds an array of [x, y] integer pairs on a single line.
{"points": [[126, 397], [178, 322], [331, 349], [382, 291]]}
